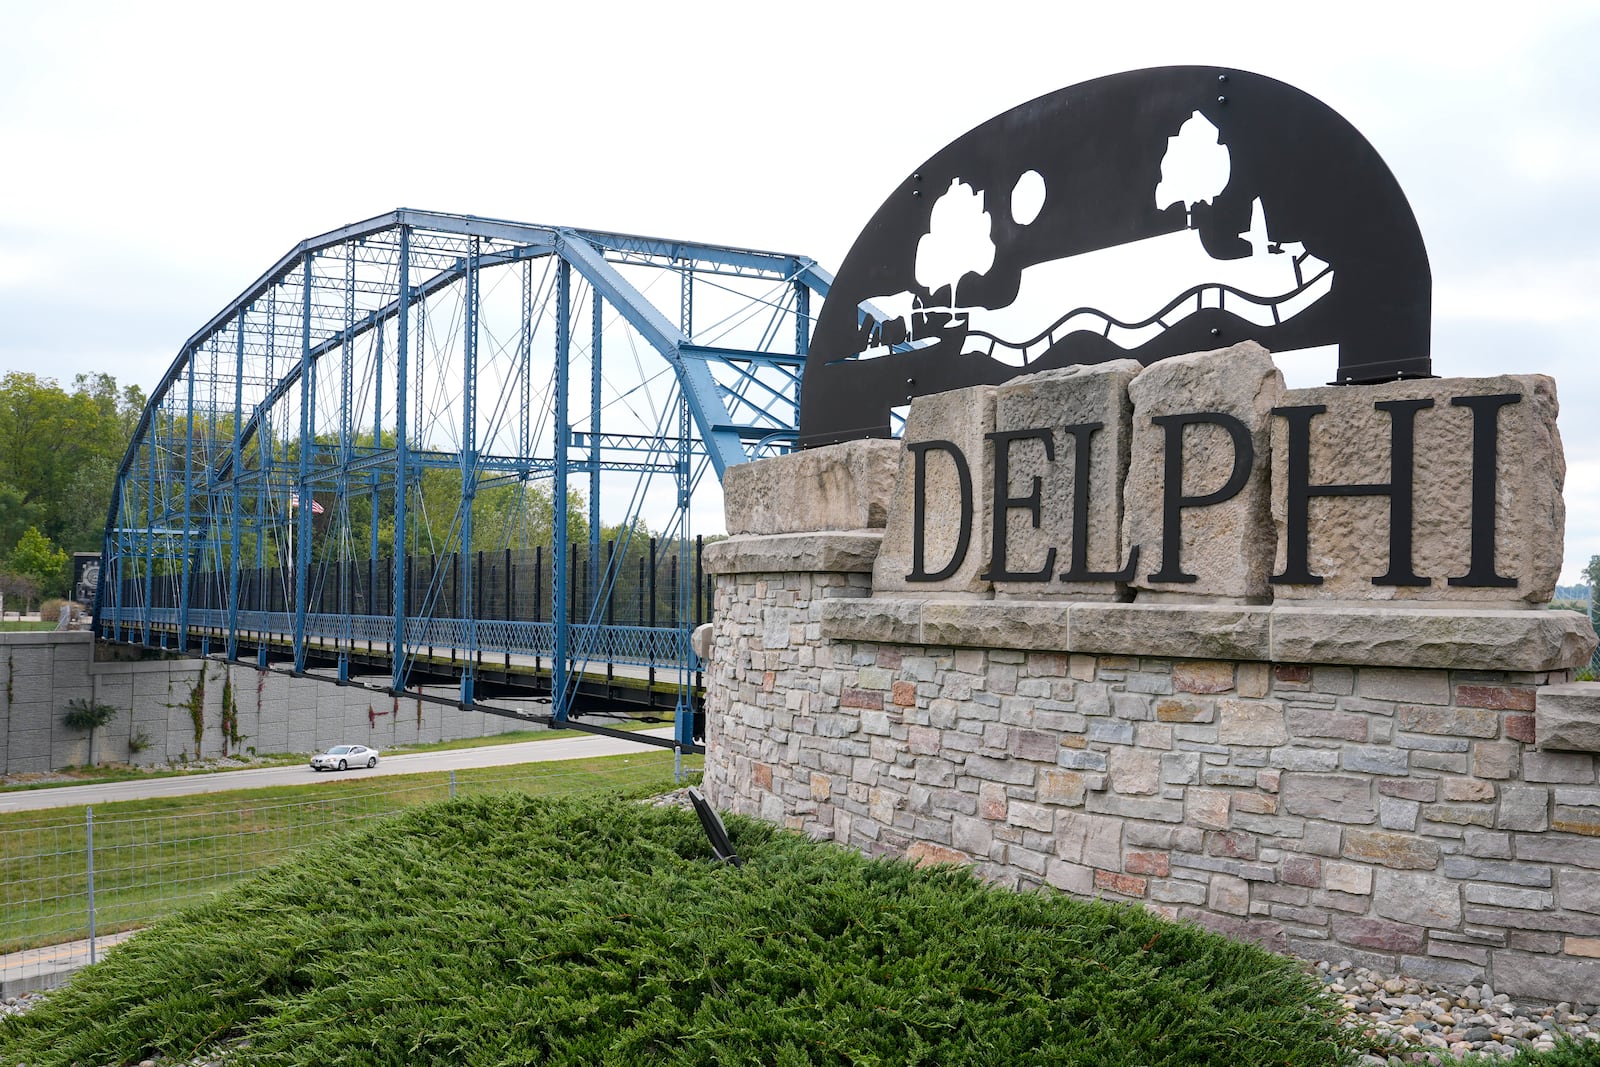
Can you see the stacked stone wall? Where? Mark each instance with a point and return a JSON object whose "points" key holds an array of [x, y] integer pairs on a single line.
{"points": [[1274, 661], [1402, 819]]}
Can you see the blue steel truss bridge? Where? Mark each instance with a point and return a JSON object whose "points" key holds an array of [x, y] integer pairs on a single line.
{"points": [[455, 458]]}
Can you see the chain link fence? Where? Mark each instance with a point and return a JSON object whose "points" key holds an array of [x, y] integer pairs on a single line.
{"points": [[74, 881]]}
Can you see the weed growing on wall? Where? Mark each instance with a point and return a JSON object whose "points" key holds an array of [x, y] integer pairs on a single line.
{"points": [[230, 713], [197, 706]]}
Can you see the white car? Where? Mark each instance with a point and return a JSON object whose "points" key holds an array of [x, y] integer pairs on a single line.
{"points": [[340, 757]]}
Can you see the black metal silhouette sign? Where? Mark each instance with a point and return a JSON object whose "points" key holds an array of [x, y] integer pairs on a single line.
{"points": [[1144, 215]]}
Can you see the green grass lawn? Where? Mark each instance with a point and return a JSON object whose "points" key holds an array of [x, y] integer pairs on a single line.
{"points": [[508, 929], [155, 856], [24, 625]]}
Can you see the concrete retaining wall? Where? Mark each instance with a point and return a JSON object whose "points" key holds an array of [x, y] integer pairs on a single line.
{"points": [[239, 709]]}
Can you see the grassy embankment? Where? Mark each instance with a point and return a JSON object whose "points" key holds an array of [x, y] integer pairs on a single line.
{"points": [[507, 930], [153, 857]]}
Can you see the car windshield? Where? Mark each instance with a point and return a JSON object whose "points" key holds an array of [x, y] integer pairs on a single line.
{"points": [[338, 750]]}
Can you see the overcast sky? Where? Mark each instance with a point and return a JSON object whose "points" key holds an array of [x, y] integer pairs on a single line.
{"points": [[155, 158]]}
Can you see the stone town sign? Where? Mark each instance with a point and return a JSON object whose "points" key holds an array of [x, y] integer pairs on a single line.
{"points": [[1122, 614], [1202, 474]]}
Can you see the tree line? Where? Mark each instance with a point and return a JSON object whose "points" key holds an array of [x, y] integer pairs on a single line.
{"points": [[60, 449], [59, 453]]}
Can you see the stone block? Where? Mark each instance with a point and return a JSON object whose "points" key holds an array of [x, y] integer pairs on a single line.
{"points": [[1452, 722], [1444, 973], [1325, 722], [985, 624], [1181, 768], [1404, 686], [1133, 771], [1055, 401], [1257, 723], [1375, 759], [1486, 845], [1580, 891], [1347, 878], [1189, 631], [1542, 848], [824, 552], [1493, 759], [1128, 885], [1378, 934], [1568, 717], [1424, 789], [1335, 798], [1588, 947], [1524, 808], [961, 418], [1558, 768], [1061, 788], [838, 487], [1093, 840], [1202, 676], [1347, 538], [972, 836], [1418, 899], [1544, 979], [1152, 863], [1206, 808], [1397, 814], [1291, 758], [1468, 790], [1226, 545], [1400, 851], [1070, 877], [1301, 871], [1229, 895], [863, 619], [1574, 820], [1435, 638], [1178, 709], [1504, 896]]}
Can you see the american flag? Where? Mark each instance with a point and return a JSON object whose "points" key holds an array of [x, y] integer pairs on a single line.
{"points": [[294, 502]]}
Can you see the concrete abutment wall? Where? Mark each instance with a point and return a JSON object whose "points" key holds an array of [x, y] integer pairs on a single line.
{"points": [[239, 709]]}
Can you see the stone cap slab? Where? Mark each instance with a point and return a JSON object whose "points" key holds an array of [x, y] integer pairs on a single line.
{"points": [[1416, 638], [840, 552], [1508, 640], [1567, 717], [840, 487]]}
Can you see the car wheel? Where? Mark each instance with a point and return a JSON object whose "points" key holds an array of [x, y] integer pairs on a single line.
{"points": [[372, 761], [341, 765]]}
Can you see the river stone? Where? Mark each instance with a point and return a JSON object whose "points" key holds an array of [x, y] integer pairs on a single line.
{"points": [[961, 417], [1348, 536], [1056, 400], [1227, 546], [838, 487], [1568, 717]]}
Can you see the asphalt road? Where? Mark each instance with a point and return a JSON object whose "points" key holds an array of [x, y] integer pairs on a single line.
{"points": [[301, 774]]}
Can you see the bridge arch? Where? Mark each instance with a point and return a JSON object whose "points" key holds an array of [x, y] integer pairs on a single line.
{"points": [[350, 466]]}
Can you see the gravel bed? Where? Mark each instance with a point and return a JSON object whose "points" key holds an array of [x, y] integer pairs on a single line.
{"points": [[1416, 1021]]}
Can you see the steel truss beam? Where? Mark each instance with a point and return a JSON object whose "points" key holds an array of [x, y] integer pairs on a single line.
{"points": [[326, 455]]}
